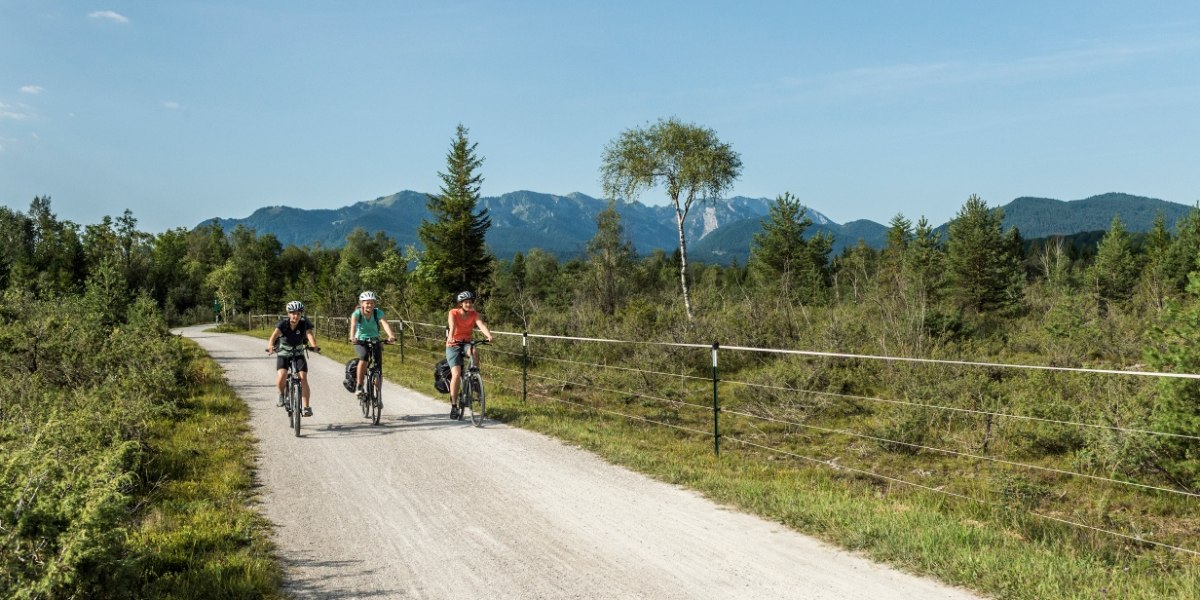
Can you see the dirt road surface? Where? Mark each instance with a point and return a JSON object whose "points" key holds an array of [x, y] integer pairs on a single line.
{"points": [[423, 507]]}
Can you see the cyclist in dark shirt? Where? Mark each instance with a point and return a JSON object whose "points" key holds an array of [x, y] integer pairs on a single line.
{"points": [[288, 341]]}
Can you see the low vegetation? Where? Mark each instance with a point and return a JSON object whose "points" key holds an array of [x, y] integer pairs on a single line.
{"points": [[1020, 483], [126, 463]]}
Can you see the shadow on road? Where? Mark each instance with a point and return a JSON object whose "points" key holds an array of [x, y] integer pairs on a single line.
{"points": [[388, 424], [307, 578]]}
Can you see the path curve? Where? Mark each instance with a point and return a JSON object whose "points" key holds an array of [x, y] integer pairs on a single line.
{"points": [[424, 507]]}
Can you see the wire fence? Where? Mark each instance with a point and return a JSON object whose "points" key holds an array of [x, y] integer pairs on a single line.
{"points": [[788, 403]]}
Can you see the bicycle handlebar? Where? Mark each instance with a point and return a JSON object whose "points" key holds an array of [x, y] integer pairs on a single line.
{"points": [[473, 343], [316, 349]]}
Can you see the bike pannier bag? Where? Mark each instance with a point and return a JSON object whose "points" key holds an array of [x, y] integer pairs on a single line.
{"points": [[351, 375], [441, 376]]}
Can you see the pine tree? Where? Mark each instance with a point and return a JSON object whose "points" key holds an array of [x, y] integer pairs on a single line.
{"points": [[783, 261], [1113, 275], [610, 259], [984, 265], [1154, 283], [456, 256]]}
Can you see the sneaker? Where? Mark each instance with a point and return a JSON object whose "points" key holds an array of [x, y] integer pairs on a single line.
{"points": [[454, 414], [307, 411], [360, 393], [280, 400]]}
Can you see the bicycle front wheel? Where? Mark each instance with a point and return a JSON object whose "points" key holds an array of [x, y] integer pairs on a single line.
{"points": [[376, 397], [294, 390], [478, 401], [364, 401]]}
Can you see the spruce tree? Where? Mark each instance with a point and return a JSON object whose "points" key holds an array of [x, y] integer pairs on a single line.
{"points": [[610, 258], [783, 261], [456, 256], [984, 265], [1113, 275]]}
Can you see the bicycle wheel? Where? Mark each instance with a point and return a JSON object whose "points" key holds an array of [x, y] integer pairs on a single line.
{"points": [[478, 399], [364, 401], [294, 390], [376, 397]]}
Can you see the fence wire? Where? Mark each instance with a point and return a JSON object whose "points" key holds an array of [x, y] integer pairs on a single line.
{"points": [[525, 363]]}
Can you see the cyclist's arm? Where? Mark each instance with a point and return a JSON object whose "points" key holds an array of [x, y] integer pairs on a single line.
{"points": [[483, 327], [312, 341], [271, 342], [353, 325], [388, 329], [449, 326]]}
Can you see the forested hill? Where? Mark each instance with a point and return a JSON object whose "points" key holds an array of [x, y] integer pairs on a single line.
{"points": [[1044, 217], [722, 233]]}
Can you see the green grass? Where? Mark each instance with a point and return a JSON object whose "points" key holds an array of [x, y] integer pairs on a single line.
{"points": [[199, 536], [985, 547]]}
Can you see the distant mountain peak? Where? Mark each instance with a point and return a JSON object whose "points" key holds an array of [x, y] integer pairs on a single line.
{"points": [[717, 232]]}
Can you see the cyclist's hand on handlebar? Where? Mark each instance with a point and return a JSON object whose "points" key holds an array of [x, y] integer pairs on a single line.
{"points": [[391, 340], [316, 349], [270, 350]]}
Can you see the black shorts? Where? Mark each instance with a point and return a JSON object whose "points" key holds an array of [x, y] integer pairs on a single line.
{"points": [[281, 362]]}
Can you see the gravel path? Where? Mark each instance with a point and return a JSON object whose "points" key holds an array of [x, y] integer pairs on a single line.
{"points": [[424, 507]]}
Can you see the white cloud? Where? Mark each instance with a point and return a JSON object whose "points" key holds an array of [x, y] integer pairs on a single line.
{"points": [[16, 113], [109, 15], [171, 105], [32, 89], [875, 80]]}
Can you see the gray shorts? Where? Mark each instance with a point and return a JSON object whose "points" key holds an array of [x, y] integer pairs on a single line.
{"points": [[454, 355]]}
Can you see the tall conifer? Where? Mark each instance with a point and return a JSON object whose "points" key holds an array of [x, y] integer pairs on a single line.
{"points": [[456, 256]]}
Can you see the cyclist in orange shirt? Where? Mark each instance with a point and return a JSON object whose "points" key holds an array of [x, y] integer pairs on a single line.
{"points": [[460, 323]]}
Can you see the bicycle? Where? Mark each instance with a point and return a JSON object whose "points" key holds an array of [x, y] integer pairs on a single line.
{"points": [[372, 398], [293, 389], [470, 384]]}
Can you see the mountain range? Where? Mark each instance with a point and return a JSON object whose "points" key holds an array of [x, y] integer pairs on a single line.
{"points": [[718, 233]]}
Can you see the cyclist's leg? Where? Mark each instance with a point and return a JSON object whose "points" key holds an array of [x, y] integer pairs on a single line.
{"points": [[304, 392], [280, 377], [454, 359], [455, 381], [361, 352]]}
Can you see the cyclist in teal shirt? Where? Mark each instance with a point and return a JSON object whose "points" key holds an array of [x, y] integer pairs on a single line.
{"points": [[365, 324]]}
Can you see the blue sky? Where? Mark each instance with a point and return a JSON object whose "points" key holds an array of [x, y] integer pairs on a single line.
{"points": [[186, 110]]}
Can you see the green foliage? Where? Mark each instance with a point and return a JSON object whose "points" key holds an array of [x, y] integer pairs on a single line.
{"points": [[78, 473], [610, 258], [688, 160], [1177, 410], [983, 264], [1113, 275], [456, 256], [786, 263]]}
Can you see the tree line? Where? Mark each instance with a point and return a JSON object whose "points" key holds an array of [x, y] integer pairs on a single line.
{"points": [[973, 290]]}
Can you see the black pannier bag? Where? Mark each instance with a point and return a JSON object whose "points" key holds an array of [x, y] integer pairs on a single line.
{"points": [[351, 379], [441, 376]]}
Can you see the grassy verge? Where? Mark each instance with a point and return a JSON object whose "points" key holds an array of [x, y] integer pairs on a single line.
{"points": [[987, 548], [198, 535]]}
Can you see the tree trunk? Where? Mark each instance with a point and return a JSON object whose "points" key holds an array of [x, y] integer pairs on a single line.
{"points": [[687, 297]]}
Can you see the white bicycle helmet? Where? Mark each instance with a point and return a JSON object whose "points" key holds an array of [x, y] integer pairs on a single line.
{"points": [[295, 306], [368, 295], [464, 296]]}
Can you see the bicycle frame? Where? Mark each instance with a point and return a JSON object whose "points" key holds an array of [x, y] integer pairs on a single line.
{"points": [[293, 394], [470, 383], [372, 400]]}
